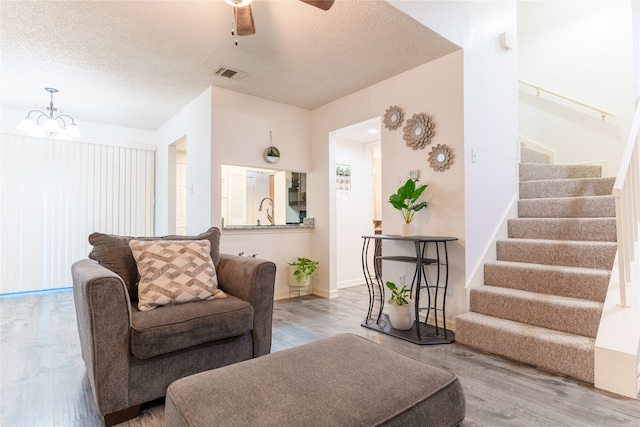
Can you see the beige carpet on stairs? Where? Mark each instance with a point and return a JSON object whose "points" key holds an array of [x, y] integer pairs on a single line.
{"points": [[542, 299]]}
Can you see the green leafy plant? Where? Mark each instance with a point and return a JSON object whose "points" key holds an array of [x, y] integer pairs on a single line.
{"points": [[273, 152], [406, 199], [399, 296], [305, 267]]}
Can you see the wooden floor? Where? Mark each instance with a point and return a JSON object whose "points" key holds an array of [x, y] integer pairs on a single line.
{"points": [[43, 380]]}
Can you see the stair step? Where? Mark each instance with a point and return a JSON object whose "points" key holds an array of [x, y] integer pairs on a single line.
{"points": [[572, 315], [592, 229], [571, 282], [568, 207], [551, 350], [537, 171], [599, 255], [527, 155], [566, 187]]}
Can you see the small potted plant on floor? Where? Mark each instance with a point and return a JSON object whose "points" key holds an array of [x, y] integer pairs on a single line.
{"points": [[300, 271], [406, 201], [400, 310]]}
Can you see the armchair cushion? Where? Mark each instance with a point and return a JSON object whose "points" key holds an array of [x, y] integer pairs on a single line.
{"points": [[177, 327], [114, 253], [174, 272]]}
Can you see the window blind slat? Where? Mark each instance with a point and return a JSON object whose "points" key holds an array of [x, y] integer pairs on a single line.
{"points": [[54, 193]]}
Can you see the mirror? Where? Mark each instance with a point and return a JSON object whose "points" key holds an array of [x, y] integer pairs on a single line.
{"points": [[440, 157], [256, 196], [392, 117]]}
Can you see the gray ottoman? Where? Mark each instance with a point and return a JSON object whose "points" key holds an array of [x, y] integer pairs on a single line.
{"points": [[340, 381]]}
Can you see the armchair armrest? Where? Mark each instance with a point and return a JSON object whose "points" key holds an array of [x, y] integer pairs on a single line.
{"points": [[252, 280], [103, 313]]}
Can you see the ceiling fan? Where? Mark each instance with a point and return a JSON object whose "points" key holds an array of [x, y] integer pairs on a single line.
{"points": [[244, 15]]}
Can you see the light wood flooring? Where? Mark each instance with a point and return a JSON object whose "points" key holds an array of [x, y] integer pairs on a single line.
{"points": [[43, 380]]}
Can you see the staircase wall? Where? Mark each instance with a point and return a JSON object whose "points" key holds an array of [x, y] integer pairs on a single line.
{"points": [[593, 66]]}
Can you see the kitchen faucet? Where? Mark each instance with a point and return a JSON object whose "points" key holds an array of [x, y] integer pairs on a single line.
{"points": [[269, 216]]}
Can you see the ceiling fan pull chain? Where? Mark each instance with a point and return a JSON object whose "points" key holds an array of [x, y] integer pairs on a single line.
{"points": [[234, 25]]}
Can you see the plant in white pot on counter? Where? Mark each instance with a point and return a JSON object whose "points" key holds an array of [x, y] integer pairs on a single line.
{"points": [[300, 271], [406, 201], [400, 310]]}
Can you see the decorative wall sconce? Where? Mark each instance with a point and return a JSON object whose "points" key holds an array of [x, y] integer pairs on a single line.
{"points": [[271, 154], [393, 117], [343, 177], [440, 157], [418, 131]]}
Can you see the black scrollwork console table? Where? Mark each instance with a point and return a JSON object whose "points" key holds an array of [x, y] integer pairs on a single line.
{"points": [[423, 331]]}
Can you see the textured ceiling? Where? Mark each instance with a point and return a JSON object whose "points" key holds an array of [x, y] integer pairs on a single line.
{"points": [[137, 63]]}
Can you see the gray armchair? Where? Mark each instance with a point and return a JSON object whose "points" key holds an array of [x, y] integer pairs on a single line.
{"points": [[132, 356]]}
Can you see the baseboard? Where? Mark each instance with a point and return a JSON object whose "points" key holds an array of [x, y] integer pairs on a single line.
{"points": [[350, 283], [489, 254]]}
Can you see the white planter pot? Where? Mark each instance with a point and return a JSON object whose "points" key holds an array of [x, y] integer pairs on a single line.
{"points": [[293, 281], [402, 317], [408, 229]]}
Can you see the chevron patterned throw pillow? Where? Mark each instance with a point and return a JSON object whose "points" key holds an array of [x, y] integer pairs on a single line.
{"points": [[174, 272]]}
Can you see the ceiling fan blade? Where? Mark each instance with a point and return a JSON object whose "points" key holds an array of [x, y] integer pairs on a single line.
{"points": [[321, 4], [244, 21]]}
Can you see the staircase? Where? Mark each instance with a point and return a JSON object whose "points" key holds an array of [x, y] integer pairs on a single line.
{"points": [[543, 297]]}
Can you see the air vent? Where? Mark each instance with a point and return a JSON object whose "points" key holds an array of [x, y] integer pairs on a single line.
{"points": [[229, 73]]}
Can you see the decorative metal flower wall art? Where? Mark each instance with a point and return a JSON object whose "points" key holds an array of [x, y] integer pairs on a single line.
{"points": [[440, 157], [393, 117], [418, 131]]}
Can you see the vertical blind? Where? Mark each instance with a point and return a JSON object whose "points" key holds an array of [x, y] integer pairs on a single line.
{"points": [[54, 193]]}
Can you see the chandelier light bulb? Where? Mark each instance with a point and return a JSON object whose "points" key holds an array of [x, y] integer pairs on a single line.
{"points": [[64, 135], [37, 131], [73, 131], [238, 3], [26, 125], [51, 125]]}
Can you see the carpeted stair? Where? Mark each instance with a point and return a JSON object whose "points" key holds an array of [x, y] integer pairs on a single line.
{"points": [[542, 299]]}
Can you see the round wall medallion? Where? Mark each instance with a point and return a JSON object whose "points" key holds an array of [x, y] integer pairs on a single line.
{"points": [[272, 154], [418, 131], [393, 117], [440, 157]]}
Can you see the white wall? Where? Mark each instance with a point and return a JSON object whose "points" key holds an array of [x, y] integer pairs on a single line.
{"points": [[193, 125], [490, 111], [240, 134], [584, 50], [353, 213], [635, 7], [435, 88], [226, 127]]}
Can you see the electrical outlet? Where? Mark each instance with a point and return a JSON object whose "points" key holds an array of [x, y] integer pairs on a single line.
{"points": [[401, 280]]}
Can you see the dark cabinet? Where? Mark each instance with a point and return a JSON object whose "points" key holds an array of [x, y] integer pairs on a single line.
{"points": [[298, 191]]}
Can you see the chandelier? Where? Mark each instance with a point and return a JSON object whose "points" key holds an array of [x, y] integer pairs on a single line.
{"points": [[39, 123], [238, 3]]}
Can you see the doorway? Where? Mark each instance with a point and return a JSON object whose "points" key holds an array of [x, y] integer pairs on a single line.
{"points": [[178, 187], [358, 195], [181, 188]]}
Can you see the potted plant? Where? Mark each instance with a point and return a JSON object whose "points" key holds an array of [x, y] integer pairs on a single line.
{"points": [[401, 314], [300, 271], [272, 154], [406, 201]]}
